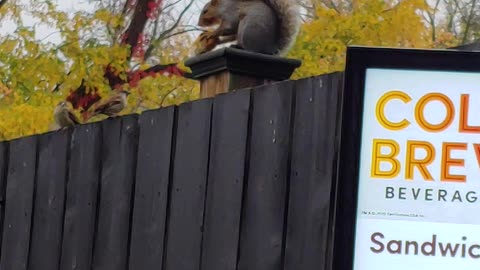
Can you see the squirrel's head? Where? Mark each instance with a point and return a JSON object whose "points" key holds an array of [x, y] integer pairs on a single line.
{"points": [[209, 15], [62, 104]]}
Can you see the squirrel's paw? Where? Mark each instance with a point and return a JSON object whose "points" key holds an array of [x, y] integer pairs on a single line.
{"points": [[205, 42]]}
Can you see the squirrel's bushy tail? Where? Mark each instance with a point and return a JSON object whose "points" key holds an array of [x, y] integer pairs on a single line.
{"points": [[288, 12]]}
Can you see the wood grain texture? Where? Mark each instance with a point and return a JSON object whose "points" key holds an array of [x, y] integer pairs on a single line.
{"points": [[151, 189], [49, 200], [312, 172], [262, 231], [225, 181], [185, 224], [81, 200], [19, 203], [119, 159], [215, 84]]}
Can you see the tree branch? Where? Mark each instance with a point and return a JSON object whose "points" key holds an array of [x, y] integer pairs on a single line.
{"points": [[469, 21], [177, 22], [183, 32], [431, 19], [164, 97], [137, 24], [171, 5]]}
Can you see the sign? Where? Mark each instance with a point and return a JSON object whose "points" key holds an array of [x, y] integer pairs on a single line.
{"points": [[409, 173]]}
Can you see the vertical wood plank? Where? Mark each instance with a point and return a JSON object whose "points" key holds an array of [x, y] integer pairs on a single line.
{"points": [[3, 184], [46, 239], [151, 189], [312, 172], [225, 180], [184, 233], [261, 242], [81, 201], [119, 156], [336, 85], [19, 202]]}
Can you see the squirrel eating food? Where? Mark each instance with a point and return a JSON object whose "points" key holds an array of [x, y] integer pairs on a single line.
{"points": [[261, 26]]}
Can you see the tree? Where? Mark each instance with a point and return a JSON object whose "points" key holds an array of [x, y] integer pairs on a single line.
{"points": [[143, 35], [462, 19], [140, 45], [122, 44], [333, 25]]}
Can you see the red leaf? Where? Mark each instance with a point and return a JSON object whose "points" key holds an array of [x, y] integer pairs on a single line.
{"points": [[82, 100]]}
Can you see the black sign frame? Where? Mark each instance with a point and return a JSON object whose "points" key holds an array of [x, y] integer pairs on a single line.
{"points": [[359, 59]]}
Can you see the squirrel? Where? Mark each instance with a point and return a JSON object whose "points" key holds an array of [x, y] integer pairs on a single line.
{"points": [[262, 26]]}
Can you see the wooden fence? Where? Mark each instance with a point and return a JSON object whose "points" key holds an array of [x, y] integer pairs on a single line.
{"points": [[241, 181]]}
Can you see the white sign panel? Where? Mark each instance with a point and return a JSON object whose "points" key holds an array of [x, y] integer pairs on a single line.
{"points": [[419, 179]]}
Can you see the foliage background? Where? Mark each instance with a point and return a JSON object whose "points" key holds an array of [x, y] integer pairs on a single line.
{"points": [[140, 45]]}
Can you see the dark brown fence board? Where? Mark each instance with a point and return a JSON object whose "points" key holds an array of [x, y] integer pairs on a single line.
{"points": [[81, 200], [119, 155], [225, 180], [262, 228], [151, 189], [336, 85], [3, 183], [19, 202], [46, 239], [184, 233], [312, 168]]}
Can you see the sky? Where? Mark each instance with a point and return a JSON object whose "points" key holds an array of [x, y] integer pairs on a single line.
{"points": [[48, 34], [43, 32]]}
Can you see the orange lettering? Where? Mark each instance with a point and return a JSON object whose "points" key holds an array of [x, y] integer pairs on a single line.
{"points": [[476, 146], [420, 117], [448, 161], [380, 110], [463, 122], [378, 158], [412, 162]]}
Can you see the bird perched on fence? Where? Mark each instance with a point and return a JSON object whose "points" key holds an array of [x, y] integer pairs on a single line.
{"points": [[114, 105], [64, 117]]}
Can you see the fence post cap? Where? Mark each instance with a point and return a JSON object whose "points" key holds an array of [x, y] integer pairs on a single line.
{"points": [[242, 62]]}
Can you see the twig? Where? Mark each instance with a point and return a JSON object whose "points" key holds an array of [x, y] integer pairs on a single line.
{"points": [[166, 95], [168, 31]]}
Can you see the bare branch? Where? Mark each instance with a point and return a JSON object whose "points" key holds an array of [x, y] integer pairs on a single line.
{"points": [[183, 32], [469, 22], [431, 19], [177, 22], [125, 7], [171, 5], [151, 46], [49, 35], [166, 95], [168, 32]]}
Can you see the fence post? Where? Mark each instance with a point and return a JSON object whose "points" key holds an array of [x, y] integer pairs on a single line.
{"points": [[228, 69]]}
